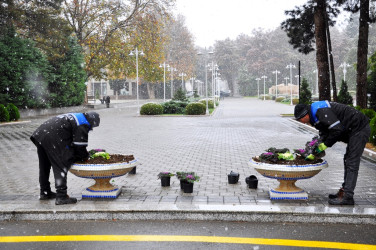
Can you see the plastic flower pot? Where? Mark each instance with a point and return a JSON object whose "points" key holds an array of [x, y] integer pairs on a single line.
{"points": [[188, 187], [133, 171], [233, 178], [165, 181], [252, 182], [182, 182]]}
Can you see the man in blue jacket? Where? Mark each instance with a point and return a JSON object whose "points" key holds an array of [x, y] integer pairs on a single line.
{"points": [[338, 122], [61, 141]]}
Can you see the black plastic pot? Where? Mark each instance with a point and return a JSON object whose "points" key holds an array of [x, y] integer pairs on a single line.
{"points": [[182, 182], [233, 178], [133, 171], [252, 181], [188, 187], [165, 181]]}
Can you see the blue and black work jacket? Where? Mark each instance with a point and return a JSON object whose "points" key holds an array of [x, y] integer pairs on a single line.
{"points": [[336, 121], [64, 138]]}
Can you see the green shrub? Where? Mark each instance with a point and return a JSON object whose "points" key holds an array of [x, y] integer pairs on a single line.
{"points": [[286, 100], [372, 138], [151, 109], [370, 113], [14, 114], [174, 107], [210, 103], [358, 108], [268, 97], [195, 108], [4, 114], [295, 101], [279, 99]]}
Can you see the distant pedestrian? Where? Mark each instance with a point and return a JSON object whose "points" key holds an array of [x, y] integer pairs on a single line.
{"points": [[61, 141], [338, 122]]}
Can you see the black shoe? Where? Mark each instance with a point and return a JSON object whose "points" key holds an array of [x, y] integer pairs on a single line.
{"points": [[339, 194], [65, 200], [47, 195], [342, 201]]}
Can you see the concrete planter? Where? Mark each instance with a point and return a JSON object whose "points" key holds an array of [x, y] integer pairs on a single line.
{"points": [[102, 174], [287, 175]]}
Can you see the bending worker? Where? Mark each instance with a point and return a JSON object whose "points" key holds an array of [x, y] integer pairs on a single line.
{"points": [[61, 141], [339, 122]]}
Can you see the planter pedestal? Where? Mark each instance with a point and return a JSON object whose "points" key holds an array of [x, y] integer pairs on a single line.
{"points": [[287, 175], [102, 174], [287, 191], [101, 189]]}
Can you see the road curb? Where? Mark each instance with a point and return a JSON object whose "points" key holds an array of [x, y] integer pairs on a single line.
{"points": [[245, 213]]}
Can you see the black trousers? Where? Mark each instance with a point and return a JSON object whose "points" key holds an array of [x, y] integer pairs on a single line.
{"points": [[354, 151], [45, 164]]}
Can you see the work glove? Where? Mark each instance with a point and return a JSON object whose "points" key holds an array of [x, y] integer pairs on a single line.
{"points": [[321, 147], [310, 157]]}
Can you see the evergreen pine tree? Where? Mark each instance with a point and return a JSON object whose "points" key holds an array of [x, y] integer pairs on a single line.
{"points": [[344, 95], [180, 96], [372, 83], [24, 72], [69, 87], [305, 96]]}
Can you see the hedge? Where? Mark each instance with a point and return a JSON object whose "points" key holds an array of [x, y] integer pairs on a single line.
{"points": [[195, 108], [4, 114], [151, 109], [14, 114]]}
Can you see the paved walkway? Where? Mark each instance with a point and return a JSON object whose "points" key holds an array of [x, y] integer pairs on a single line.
{"points": [[210, 146]]}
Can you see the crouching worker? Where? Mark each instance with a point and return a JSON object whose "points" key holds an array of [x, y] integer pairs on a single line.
{"points": [[338, 122], [61, 141]]}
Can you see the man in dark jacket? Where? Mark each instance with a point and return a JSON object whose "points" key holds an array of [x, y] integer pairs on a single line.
{"points": [[61, 141], [338, 122]]}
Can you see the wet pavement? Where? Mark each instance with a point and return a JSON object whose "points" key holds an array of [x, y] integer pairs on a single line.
{"points": [[211, 146]]}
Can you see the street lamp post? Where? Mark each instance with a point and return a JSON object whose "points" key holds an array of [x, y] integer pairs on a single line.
{"points": [[286, 78], [171, 69], [317, 81], [182, 80], [258, 88], [264, 77], [276, 72], [291, 66], [136, 53], [344, 65], [164, 65], [206, 80], [297, 83]]}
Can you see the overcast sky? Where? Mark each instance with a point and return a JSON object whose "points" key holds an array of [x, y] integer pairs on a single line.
{"points": [[210, 20]]}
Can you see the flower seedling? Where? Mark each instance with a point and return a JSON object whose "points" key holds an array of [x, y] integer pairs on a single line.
{"points": [[165, 174]]}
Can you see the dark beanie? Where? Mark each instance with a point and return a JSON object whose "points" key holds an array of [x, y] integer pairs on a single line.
{"points": [[93, 118], [300, 111]]}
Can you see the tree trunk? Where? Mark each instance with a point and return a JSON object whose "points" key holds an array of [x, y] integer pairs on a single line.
{"points": [[151, 90], [332, 72], [361, 68], [322, 50]]}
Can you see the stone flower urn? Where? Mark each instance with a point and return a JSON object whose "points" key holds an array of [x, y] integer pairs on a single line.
{"points": [[287, 175], [102, 174]]}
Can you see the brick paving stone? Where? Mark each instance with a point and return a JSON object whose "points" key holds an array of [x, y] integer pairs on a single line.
{"points": [[210, 146]]}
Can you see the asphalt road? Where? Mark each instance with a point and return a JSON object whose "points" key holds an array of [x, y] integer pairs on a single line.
{"points": [[183, 234]]}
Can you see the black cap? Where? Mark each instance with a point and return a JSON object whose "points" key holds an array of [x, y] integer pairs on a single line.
{"points": [[300, 111], [93, 119]]}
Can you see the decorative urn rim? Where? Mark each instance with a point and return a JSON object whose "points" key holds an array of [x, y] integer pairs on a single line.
{"points": [[101, 167], [288, 168]]}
